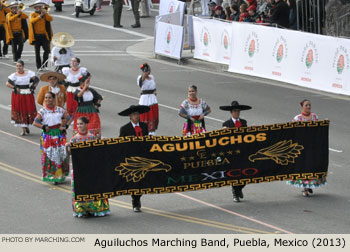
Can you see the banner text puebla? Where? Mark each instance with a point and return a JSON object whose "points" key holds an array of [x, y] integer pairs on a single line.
{"points": [[161, 164]]}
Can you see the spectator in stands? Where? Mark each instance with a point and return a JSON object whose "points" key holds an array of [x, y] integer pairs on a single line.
{"points": [[204, 6], [244, 17], [259, 19], [280, 14], [228, 13], [219, 12], [225, 4], [234, 12], [243, 8], [261, 6], [237, 2], [251, 2], [252, 13], [212, 5], [292, 14], [269, 8]]}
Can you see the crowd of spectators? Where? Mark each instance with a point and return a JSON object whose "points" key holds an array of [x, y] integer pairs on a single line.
{"points": [[277, 12]]}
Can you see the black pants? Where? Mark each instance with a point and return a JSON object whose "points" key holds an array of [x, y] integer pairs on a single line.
{"points": [[136, 202], [58, 6], [135, 9], [236, 190], [17, 45], [117, 12], [3, 38], [41, 41]]}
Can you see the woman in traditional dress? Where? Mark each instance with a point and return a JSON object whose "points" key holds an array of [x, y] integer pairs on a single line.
{"points": [[306, 184], [23, 110], [86, 208], [89, 102], [72, 83], [193, 109], [54, 159], [148, 98]]}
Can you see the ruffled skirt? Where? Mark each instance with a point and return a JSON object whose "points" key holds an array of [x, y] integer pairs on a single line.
{"points": [[54, 160], [23, 110], [151, 118]]}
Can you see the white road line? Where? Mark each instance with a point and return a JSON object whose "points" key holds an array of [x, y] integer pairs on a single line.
{"points": [[5, 107], [104, 26], [96, 51], [86, 54], [234, 213], [339, 151], [160, 105], [109, 40]]}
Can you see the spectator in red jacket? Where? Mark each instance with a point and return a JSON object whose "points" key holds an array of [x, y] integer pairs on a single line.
{"points": [[219, 13]]}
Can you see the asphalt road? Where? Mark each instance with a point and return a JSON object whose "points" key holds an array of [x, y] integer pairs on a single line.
{"points": [[113, 56]]}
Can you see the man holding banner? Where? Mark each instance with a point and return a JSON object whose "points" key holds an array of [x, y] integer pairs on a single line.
{"points": [[235, 110], [134, 128]]}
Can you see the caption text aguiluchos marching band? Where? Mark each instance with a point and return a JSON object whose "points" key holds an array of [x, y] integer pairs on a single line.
{"points": [[222, 243]]}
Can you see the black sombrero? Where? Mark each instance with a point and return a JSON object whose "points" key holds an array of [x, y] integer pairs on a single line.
{"points": [[134, 108], [235, 105]]}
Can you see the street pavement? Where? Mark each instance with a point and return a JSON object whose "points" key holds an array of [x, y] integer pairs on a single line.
{"points": [[113, 56]]}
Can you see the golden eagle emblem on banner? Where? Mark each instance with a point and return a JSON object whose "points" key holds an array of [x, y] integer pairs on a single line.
{"points": [[135, 168], [282, 153]]}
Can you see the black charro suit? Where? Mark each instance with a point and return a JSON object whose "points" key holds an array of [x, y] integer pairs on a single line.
{"points": [[128, 130], [230, 123], [236, 190]]}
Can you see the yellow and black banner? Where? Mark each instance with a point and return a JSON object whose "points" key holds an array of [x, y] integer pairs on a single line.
{"points": [[162, 164]]}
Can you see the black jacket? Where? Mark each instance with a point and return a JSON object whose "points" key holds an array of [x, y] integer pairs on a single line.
{"points": [[280, 14], [128, 130], [230, 124]]}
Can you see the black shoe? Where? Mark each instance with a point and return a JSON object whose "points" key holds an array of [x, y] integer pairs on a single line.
{"points": [[236, 199], [310, 190], [118, 26], [136, 209], [136, 26], [27, 130]]}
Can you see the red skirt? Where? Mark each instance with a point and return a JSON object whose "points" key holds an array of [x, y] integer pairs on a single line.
{"points": [[72, 104], [151, 118], [23, 109]]}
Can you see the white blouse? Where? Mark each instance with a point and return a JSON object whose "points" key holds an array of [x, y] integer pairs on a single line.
{"points": [[73, 78], [51, 117], [194, 110], [22, 81], [88, 96], [147, 99]]}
